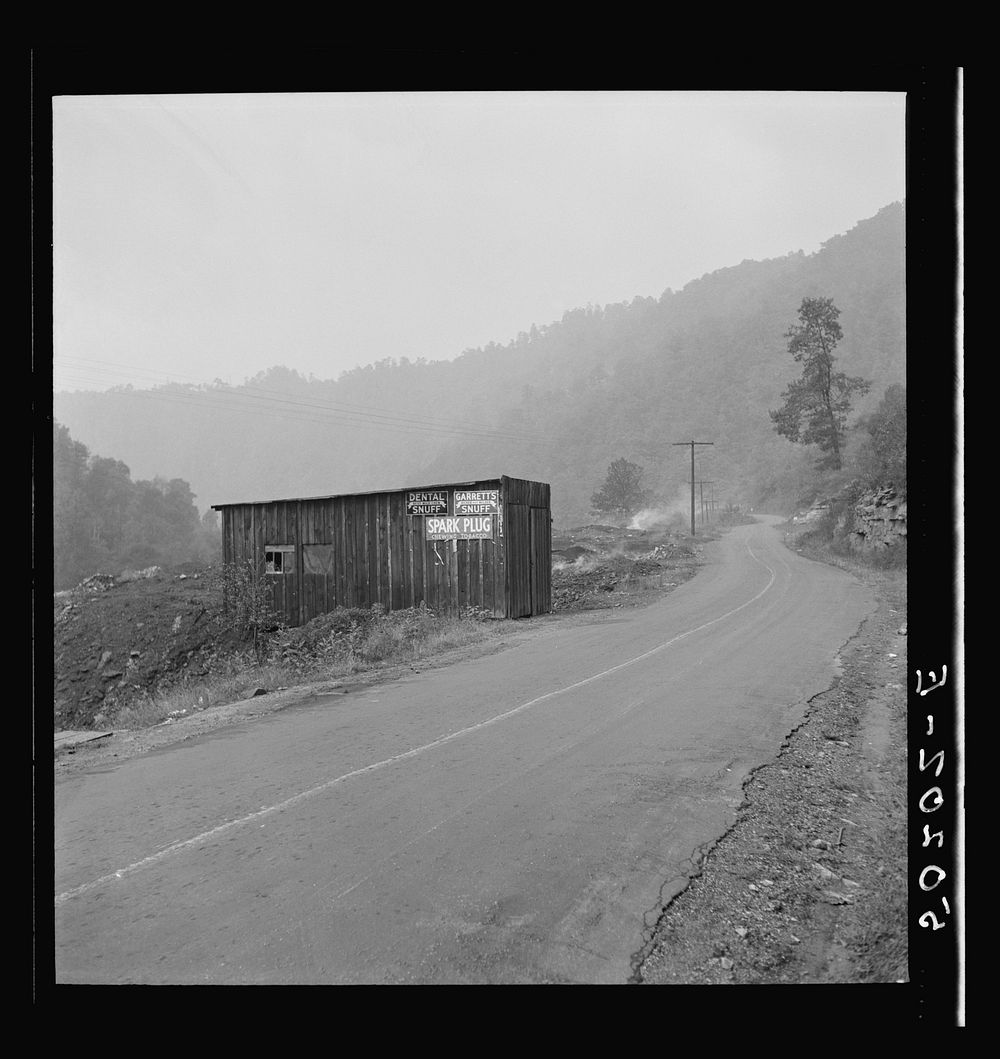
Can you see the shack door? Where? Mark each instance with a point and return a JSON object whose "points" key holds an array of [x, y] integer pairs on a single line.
{"points": [[518, 561], [529, 567], [541, 561]]}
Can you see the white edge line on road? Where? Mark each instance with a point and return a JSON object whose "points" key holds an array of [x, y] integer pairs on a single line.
{"points": [[205, 836], [480, 794]]}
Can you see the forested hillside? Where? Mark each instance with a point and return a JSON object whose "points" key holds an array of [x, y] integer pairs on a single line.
{"points": [[103, 521], [559, 403]]}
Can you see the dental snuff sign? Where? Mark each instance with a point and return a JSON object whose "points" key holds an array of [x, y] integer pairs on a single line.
{"points": [[459, 527], [429, 502]]}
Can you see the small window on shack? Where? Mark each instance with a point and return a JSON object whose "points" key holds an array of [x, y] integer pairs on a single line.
{"points": [[317, 559], [279, 558]]}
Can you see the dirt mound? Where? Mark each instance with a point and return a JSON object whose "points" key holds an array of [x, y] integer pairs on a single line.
{"points": [[594, 529], [617, 567], [570, 553], [121, 638]]}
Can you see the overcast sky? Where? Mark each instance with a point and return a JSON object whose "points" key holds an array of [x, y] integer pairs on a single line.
{"points": [[202, 237]]}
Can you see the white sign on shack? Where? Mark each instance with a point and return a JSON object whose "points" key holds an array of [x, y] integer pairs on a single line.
{"points": [[477, 501], [428, 502], [459, 527]]}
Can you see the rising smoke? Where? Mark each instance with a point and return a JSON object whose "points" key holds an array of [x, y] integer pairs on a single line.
{"points": [[676, 510]]}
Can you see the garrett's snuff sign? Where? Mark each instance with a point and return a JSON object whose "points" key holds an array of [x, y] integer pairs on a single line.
{"points": [[477, 501]]}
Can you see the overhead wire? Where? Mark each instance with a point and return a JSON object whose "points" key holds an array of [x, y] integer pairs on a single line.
{"points": [[198, 401], [250, 391], [93, 370]]}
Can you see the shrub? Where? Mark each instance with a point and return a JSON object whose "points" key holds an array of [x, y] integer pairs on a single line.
{"points": [[247, 600], [882, 459]]}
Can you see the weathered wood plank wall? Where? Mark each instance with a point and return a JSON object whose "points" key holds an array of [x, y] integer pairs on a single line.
{"points": [[358, 550], [529, 547]]}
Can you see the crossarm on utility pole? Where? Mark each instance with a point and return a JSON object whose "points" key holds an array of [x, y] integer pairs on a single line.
{"points": [[692, 444]]}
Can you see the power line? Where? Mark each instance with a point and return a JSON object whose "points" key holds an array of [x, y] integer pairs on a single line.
{"points": [[692, 444], [208, 402], [332, 410], [325, 411], [251, 391], [702, 482]]}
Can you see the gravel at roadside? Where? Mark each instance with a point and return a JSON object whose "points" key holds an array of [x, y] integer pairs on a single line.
{"points": [[809, 885]]}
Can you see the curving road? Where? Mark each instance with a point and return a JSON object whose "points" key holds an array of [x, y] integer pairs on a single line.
{"points": [[516, 818]]}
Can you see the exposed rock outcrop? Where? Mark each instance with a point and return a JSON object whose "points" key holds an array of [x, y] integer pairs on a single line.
{"points": [[879, 520]]}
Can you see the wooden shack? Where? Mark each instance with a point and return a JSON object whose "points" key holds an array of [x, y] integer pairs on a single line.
{"points": [[484, 544]]}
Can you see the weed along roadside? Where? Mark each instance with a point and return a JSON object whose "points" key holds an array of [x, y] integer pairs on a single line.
{"points": [[161, 656], [179, 680], [310, 587]]}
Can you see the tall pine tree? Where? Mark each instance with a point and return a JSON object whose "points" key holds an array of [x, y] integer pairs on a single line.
{"points": [[818, 402]]}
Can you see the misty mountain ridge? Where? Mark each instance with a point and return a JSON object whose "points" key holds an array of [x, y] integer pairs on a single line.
{"points": [[558, 404]]}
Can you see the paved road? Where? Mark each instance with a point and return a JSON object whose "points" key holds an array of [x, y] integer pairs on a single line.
{"points": [[515, 818]]}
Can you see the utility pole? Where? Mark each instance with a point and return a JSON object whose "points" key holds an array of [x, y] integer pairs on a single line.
{"points": [[702, 482], [692, 444]]}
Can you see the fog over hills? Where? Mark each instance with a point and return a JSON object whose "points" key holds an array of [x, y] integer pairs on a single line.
{"points": [[558, 404]]}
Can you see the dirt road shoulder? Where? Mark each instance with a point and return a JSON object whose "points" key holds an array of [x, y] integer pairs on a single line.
{"points": [[809, 885]]}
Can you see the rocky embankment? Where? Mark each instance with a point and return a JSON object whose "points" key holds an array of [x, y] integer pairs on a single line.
{"points": [[870, 522], [879, 520]]}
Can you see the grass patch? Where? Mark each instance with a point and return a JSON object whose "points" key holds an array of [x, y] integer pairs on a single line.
{"points": [[345, 642]]}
